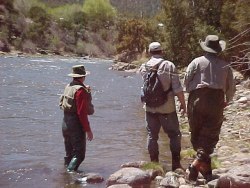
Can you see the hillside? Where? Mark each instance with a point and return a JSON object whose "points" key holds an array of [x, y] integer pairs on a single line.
{"points": [[129, 7]]}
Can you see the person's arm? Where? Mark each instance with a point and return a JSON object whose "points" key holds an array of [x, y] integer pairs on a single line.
{"points": [[189, 75], [81, 105], [230, 88], [178, 89], [181, 98]]}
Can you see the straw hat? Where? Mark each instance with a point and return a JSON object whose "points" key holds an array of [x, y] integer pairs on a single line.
{"points": [[212, 44]]}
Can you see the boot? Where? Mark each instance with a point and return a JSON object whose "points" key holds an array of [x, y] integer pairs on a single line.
{"points": [[72, 165], [67, 161], [193, 173], [201, 164], [154, 158], [176, 162]]}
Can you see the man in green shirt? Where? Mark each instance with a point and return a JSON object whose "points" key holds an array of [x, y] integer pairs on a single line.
{"points": [[210, 83]]}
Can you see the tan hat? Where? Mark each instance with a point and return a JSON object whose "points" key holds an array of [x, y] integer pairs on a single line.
{"points": [[78, 71], [154, 46], [212, 44]]}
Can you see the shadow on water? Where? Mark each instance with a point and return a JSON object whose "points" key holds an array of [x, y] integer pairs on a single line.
{"points": [[31, 145]]}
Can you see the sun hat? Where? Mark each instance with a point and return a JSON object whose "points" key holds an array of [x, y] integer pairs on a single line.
{"points": [[212, 44], [154, 46], [78, 71]]}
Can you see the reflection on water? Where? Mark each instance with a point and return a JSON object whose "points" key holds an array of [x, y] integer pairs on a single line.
{"points": [[31, 145]]}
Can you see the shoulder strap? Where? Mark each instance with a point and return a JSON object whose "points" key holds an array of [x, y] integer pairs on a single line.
{"points": [[156, 67]]}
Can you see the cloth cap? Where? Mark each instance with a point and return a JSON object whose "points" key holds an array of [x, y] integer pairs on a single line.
{"points": [[154, 46], [78, 71], [212, 44]]}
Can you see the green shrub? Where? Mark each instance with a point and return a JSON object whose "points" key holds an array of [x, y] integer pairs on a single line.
{"points": [[65, 12], [24, 6]]}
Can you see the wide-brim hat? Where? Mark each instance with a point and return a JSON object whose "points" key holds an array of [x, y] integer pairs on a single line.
{"points": [[154, 46], [78, 71], [213, 44]]}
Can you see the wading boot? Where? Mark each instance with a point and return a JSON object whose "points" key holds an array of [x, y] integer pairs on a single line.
{"points": [[193, 173], [72, 165], [67, 161], [176, 162], [154, 158], [201, 164]]}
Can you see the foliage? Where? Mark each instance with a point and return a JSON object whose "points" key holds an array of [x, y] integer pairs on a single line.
{"points": [[100, 13], [24, 6], [179, 28], [132, 35], [154, 166], [65, 12], [178, 25], [39, 28]]}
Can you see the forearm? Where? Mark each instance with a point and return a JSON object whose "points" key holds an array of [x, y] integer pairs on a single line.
{"points": [[181, 98]]}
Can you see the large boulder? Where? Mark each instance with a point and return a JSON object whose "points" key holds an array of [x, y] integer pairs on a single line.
{"points": [[237, 177], [131, 176]]}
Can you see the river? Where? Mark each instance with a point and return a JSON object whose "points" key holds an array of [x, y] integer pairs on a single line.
{"points": [[31, 143]]}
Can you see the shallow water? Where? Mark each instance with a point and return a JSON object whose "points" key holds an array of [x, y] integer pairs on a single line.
{"points": [[31, 144]]}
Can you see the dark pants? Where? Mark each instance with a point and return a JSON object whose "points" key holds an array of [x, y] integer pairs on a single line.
{"points": [[74, 140], [170, 125], [205, 114]]}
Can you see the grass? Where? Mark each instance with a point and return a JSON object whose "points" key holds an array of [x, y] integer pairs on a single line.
{"points": [[216, 163], [188, 153], [153, 166]]}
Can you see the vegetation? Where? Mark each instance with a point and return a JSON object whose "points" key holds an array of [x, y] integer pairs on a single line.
{"points": [[105, 28], [153, 166]]}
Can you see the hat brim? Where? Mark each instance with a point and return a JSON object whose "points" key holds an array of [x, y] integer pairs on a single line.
{"points": [[207, 49], [78, 75]]}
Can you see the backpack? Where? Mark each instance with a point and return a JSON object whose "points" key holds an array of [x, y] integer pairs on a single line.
{"points": [[152, 92]]}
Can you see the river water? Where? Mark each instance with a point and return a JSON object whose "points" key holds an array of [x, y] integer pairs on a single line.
{"points": [[31, 143]]}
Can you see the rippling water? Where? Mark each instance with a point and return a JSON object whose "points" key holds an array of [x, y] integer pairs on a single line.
{"points": [[31, 143]]}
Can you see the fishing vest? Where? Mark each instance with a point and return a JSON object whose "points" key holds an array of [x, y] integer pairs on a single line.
{"points": [[67, 100]]}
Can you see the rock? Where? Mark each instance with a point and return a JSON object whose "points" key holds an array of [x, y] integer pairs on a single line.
{"points": [[212, 184], [246, 84], [186, 186], [137, 164], [243, 100], [120, 186], [238, 177], [94, 178], [171, 180], [131, 176]]}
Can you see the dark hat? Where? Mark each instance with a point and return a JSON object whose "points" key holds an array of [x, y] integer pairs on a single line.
{"points": [[212, 44], [78, 71]]}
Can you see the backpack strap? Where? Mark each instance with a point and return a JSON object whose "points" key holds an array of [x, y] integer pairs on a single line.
{"points": [[155, 67]]}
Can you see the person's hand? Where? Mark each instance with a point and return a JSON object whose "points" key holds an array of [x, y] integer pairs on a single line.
{"points": [[183, 109], [88, 87], [89, 135]]}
